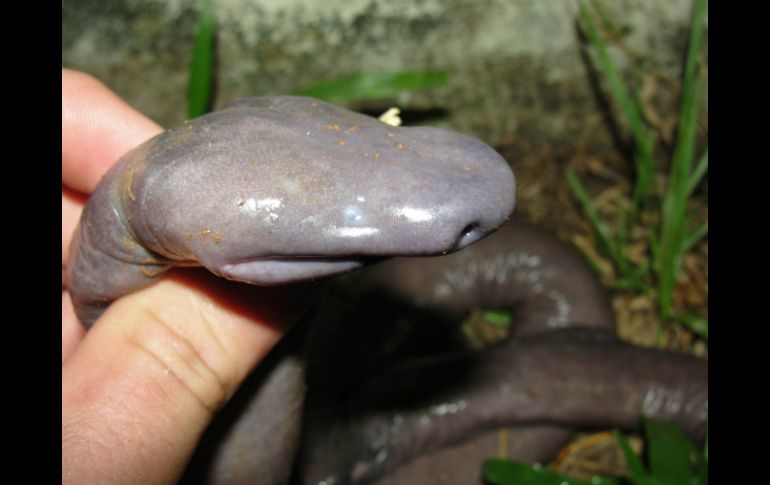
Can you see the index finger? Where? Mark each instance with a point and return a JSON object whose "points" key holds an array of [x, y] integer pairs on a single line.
{"points": [[97, 129]]}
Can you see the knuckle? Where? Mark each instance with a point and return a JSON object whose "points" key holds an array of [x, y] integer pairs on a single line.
{"points": [[180, 360]]}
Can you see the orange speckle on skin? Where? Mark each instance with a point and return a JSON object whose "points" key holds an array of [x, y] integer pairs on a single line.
{"points": [[148, 273], [342, 142], [217, 238], [333, 127], [352, 129], [400, 146], [152, 267], [127, 179]]}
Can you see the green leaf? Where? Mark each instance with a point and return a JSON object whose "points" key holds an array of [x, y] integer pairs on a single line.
{"points": [[364, 86], [202, 64], [497, 318], [498, 471], [669, 452], [635, 467]]}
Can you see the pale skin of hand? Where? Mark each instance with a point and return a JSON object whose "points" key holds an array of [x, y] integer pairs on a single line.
{"points": [[140, 387]]}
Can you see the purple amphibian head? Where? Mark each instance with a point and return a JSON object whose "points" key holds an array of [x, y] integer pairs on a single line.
{"points": [[281, 189], [271, 190]]}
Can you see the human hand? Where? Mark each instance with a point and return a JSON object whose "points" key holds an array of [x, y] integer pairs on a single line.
{"points": [[141, 386]]}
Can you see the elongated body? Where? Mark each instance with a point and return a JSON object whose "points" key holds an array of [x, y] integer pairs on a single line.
{"points": [[277, 190], [394, 399]]}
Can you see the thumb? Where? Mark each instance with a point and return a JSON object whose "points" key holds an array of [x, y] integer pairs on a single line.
{"points": [[141, 388]]}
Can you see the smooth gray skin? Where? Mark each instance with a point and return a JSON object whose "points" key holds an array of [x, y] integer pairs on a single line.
{"points": [[562, 377], [563, 367], [276, 190]]}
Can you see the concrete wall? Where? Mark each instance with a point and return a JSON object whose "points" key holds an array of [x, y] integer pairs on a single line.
{"points": [[516, 65]]}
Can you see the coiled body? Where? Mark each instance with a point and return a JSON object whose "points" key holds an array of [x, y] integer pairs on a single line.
{"points": [[394, 396], [416, 410]]}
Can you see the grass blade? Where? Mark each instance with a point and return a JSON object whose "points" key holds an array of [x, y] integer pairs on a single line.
{"points": [[694, 46], [634, 280], [202, 64], [670, 236], [374, 85], [673, 234], [644, 140], [673, 218], [617, 87], [697, 174], [694, 238], [622, 230], [605, 239], [696, 323]]}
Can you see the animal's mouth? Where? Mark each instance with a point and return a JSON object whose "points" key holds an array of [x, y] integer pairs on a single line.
{"points": [[282, 269], [277, 271]]}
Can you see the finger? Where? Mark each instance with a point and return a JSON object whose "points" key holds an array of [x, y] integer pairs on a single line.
{"points": [[144, 383], [97, 129]]}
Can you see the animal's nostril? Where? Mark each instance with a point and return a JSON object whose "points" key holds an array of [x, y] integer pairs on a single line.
{"points": [[469, 235]]}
